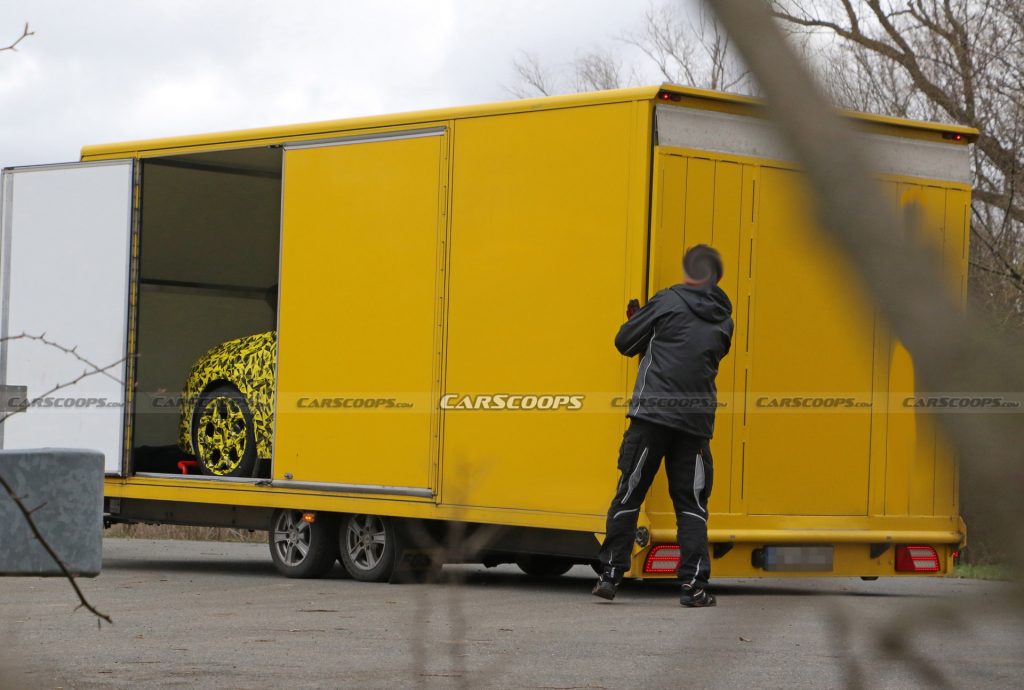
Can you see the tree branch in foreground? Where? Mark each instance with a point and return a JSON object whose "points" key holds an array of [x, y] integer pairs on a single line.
{"points": [[84, 603], [25, 33]]}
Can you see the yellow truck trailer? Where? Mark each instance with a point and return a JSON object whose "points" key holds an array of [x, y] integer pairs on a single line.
{"points": [[368, 336]]}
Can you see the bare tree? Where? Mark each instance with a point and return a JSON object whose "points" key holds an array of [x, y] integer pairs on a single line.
{"points": [[534, 79], [677, 47], [599, 70], [693, 51], [951, 60]]}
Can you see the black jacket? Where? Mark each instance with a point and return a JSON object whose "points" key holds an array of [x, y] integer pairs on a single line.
{"points": [[683, 332]]}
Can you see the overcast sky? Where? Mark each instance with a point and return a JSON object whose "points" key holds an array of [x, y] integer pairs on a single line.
{"points": [[99, 72]]}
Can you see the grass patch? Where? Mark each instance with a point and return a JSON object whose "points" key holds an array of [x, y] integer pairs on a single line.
{"points": [[182, 532], [983, 572]]}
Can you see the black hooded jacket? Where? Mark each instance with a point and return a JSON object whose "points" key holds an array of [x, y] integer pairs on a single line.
{"points": [[682, 332]]}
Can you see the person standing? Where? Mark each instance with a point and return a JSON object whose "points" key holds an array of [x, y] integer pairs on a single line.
{"points": [[682, 333]]}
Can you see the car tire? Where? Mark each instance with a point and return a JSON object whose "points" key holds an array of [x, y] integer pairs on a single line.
{"points": [[367, 547], [223, 436], [544, 566], [302, 549]]}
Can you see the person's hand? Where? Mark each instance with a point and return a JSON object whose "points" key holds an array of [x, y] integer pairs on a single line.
{"points": [[632, 308]]}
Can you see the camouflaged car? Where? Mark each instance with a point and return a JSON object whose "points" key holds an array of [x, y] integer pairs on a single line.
{"points": [[227, 410]]}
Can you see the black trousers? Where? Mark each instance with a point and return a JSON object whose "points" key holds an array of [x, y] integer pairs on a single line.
{"points": [[690, 473]]}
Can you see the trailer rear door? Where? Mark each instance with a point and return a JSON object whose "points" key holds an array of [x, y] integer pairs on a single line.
{"points": [[65, 278]]}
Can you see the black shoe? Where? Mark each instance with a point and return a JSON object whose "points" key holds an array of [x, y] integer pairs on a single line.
{"points": [[696, 597], [604, 588]]}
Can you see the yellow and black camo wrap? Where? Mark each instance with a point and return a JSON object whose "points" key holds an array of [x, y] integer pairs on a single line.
{"points": [[248, 364]]}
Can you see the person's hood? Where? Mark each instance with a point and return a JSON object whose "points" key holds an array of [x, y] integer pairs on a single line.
{"points": [[709, 303]]}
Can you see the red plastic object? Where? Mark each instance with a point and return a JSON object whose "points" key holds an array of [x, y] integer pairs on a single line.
{"points": [[185, 464]]}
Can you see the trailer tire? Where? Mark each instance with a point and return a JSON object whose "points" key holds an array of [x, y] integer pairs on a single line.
{"points": [[223, 436], [544, 566], [303, 549], [367, 547]]}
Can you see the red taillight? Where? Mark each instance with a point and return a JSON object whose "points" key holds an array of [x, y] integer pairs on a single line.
{"points": [[917, 559], [662, 559]]}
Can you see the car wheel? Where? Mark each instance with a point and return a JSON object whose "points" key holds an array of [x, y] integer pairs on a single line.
{"points": [[300, 548], [367, 546], [223, 436], [544, 566]]}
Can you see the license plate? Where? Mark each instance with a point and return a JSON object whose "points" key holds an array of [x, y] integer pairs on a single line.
{"points": [[799, 559]]}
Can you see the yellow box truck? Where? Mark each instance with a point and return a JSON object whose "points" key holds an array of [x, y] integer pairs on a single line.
{"points": [[368, 336]]}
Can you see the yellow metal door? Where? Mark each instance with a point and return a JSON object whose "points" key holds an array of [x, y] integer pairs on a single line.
{"points": [[701, 200], [920, 466], [808, 407], [361, 259]]}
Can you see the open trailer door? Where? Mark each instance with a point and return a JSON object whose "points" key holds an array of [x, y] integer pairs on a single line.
{"points": [[65, 276]]}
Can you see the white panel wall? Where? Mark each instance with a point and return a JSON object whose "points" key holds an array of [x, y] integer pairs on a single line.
{"points": [[65, 261]]}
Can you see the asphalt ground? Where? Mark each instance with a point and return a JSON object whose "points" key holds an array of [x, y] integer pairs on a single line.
{"points": [[217, 615]]}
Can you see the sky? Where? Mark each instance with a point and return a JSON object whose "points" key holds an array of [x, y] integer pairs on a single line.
{"points": [[112, 70]]}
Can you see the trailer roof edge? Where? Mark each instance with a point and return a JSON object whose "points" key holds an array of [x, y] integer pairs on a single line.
{"points": [[271, 134]]}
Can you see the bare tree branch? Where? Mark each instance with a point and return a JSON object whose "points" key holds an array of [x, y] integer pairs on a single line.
{"points": [[92, 371], [61, 386], [83, 602], [25, 33], [73, 351]]}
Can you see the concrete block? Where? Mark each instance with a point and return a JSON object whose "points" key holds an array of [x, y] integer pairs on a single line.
{"points": [[68, 483]]}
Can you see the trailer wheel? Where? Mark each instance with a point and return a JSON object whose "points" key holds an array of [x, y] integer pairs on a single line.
{"points": [[544, 566], [300, 548], [222, 432], [367, 546]]}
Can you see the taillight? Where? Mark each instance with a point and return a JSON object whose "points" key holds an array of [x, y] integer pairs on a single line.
{"points": [[917, 559], [662, 559]]}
